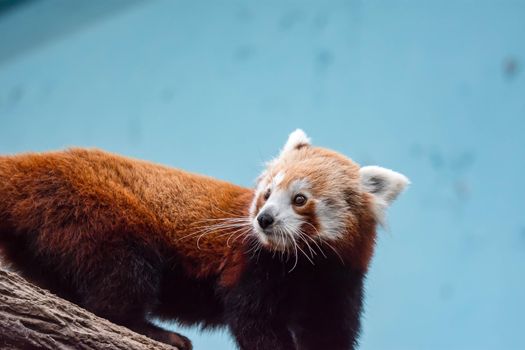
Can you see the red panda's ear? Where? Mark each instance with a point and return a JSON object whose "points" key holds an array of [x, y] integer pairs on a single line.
{"points": [[296, 140], [384, 185]]}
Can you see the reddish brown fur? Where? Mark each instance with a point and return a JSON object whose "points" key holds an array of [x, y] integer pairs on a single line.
{"points": [[79, 197]]}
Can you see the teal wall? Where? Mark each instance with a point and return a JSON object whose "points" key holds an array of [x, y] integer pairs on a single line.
{"points": [[433, 89]]}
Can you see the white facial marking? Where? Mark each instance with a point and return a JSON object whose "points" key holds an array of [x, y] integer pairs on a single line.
{"points": [[299, 186], [276, 181], [263, 186], [279, 205], [330, 220]]}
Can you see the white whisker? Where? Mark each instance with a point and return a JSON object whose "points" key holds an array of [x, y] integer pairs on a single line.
{"points": [[234, 227], [301, 236], [314, 241], [335, 251]]}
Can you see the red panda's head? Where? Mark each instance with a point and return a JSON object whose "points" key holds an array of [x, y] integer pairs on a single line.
{"points": [[309, 195]]}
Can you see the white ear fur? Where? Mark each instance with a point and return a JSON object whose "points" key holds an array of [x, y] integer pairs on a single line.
{"points": [[384, 184], [296, 139]]}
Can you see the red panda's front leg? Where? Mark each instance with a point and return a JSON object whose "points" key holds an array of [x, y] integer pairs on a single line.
{"points": [[327, 315], [256, 333], [257, 326], [333, 334]]}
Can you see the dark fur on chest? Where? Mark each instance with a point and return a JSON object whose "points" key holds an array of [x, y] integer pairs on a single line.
{"points": [[278, 306]]}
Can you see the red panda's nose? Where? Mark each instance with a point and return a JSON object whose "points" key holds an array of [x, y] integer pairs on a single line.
{"points": [[265, 220]]}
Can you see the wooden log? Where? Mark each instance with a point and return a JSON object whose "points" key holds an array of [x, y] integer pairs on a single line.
{"points": [[33, 318]]}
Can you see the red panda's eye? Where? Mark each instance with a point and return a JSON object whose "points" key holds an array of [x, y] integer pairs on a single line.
{"points": [[267, 194], [299, 200]]}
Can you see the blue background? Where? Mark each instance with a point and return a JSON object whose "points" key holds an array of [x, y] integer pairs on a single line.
{"points": [[433, 89]]}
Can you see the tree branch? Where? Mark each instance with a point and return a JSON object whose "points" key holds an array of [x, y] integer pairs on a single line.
{"points": [[33, 318]]}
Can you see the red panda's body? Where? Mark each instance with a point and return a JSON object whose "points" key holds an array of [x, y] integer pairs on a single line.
{"points": [[81, 198], [128, 239], [80, 219]]}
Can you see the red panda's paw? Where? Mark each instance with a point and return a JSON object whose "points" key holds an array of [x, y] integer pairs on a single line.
{"points": [[180, 341], [167, 337]]}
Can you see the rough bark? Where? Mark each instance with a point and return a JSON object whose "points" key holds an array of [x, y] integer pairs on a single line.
{"points": [[33, 318]]}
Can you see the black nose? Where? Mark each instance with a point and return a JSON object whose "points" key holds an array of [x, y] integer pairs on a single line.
{"points": [[265, 220]]}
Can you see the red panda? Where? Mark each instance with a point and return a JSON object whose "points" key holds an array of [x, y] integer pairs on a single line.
{"points": [[281, 265]]}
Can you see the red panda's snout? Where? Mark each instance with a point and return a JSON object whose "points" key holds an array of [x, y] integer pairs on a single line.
{"points": [[284, 213]]}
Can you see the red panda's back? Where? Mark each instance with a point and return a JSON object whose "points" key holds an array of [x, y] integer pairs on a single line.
{"points": [[76, 201]]}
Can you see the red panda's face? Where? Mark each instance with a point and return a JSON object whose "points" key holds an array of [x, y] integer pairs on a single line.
{"points": [[310, 195], [303, 197]]}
